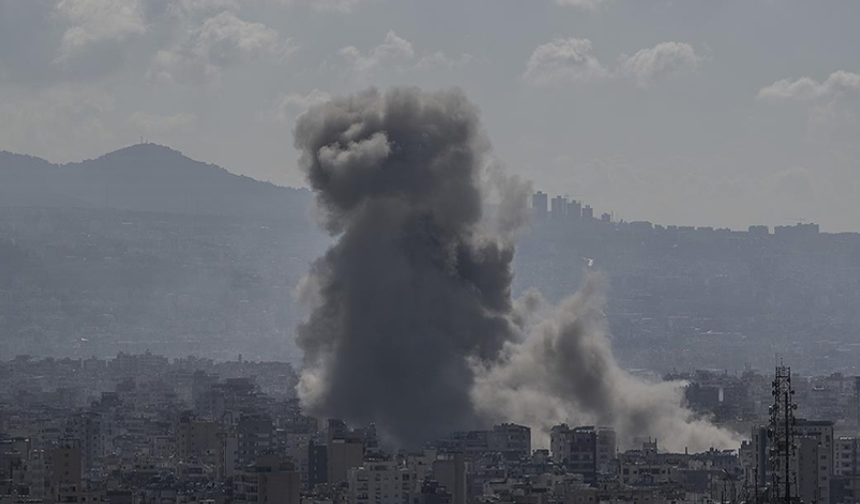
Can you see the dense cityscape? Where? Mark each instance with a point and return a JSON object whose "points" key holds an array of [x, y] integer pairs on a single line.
{"points": [[140, 429]]}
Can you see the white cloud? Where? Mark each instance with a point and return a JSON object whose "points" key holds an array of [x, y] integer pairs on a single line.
{"points": [[394, 48], [93, 21], [564, 61], [193, 6], [440, 60], [166, 65], [806, 88], [62, 122], [581, 4], [396, 53], [221, 41], [293, 104], [572, 60], [157, 124], [226, 39], [832, 105], [340, 6], [665, 58]]}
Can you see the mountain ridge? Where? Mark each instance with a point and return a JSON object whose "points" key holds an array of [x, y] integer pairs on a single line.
{"points": [[145, 177]]}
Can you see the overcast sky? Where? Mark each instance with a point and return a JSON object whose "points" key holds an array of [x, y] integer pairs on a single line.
{"points": [[723, 113]]}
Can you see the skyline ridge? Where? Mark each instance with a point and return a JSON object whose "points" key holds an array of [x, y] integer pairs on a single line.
{"points": [[149, 148]]}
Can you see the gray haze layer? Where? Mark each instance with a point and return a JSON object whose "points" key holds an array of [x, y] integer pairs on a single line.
{"points": [[412, 324]]}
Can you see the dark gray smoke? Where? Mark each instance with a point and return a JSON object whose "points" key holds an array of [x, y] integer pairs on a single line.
{"points": [[412, 324], [411, 291]]}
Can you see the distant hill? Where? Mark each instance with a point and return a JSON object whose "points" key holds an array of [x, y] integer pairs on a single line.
{"points": [[145, 177]]}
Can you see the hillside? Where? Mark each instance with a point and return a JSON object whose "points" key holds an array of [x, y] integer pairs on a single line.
{"points": [[145, 177], [81, 282], [144, 248]]}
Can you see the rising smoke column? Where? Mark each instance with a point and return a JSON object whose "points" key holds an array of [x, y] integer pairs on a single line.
{"points": [[411, 293], [412, 325]]}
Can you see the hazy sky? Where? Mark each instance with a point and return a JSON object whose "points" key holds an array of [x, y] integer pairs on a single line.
{"points": [[691, 112]]}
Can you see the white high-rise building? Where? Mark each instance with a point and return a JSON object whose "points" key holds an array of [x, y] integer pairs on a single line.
{"points": [[380, 482]]}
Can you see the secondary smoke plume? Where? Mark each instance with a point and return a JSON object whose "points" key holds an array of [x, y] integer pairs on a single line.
{"points": [[564, 372], [412, 325]]}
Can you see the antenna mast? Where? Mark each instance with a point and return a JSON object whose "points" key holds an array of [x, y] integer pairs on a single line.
{"points": [[781, 434]]}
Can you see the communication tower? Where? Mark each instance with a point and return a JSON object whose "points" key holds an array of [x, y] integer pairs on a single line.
{"points": [[781, 437]]}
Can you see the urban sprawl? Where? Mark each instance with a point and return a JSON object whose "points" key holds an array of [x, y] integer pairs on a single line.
{"points": [[141, 429]]}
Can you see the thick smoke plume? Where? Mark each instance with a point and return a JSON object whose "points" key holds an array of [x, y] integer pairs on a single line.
{"points": [[412, 325], [411, 291]]}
